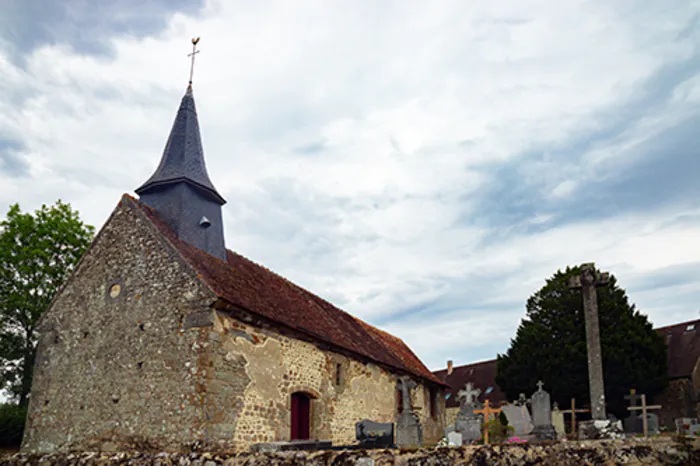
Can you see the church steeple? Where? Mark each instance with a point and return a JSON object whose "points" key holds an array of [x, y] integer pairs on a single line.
{"points": [[180, 189]]}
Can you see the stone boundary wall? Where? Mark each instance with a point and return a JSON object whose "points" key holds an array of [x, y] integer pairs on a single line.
{"points": [[663, 451]]}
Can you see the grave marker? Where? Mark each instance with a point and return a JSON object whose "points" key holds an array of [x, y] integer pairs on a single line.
{"points": [[487, 412], [644, 408], [573, 412]]}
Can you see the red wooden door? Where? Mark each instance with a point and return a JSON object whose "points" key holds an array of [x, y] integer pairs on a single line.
{"points": [[301, 410]]}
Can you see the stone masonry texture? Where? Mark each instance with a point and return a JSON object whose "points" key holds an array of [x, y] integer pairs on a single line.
{"points": [[137, 352], [632, 452]]}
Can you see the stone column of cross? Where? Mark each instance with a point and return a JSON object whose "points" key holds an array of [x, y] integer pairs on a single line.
{"points": [[573, 412], [587, 281], [644, 407]]}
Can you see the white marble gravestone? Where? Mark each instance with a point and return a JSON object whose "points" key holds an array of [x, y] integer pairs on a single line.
{"points": [[454, 439]]}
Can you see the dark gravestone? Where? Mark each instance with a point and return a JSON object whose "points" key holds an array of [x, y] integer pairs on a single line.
{"points": [[372, 434]]}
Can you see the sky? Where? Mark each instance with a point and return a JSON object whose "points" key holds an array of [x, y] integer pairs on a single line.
{"points": [[424, 166]]}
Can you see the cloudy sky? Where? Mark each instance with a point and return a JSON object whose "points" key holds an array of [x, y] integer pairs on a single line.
{"points": [[423, 165]]}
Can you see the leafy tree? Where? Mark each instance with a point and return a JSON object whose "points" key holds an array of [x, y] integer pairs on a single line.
{"points": [[37, 253], [550, 345]]}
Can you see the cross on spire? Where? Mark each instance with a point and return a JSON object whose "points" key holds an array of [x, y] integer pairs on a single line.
{"points": [[540, 384], [194, 52]]}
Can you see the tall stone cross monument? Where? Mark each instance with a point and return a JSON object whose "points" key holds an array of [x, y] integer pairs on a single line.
{"points": [[587, 281]]}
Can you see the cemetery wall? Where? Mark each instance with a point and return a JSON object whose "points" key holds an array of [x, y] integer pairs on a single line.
{"points": [[630, 452], [361, 391], [111, 360]]}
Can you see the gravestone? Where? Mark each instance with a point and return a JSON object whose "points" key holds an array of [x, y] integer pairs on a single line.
{"points": [[558, 421], [409, 431], [687, 426], [467, 423], [519, 418], [542, 415], [372, 434], [652, 423], [455, 439]]}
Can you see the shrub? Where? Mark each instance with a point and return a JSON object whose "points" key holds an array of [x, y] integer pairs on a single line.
{"points": [[498, 432], [12, 419]]}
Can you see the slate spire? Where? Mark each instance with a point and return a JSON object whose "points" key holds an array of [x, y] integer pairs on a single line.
{"points": [[180, 189], [183, 157]]}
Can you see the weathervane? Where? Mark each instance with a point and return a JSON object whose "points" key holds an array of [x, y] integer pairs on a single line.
{"points": [[194, 52]]}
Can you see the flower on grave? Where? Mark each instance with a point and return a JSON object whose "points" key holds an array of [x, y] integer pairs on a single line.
{"points": [[442, 443], [516, 439]]}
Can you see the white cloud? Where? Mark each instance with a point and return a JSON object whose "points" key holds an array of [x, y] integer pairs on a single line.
{"points": [[353, 141]]}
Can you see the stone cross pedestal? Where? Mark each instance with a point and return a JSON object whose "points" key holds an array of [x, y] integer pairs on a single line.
{"points": [[587, 281], [409, 432], [467, 423]]}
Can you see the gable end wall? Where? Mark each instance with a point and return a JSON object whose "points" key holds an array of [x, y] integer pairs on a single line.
{"points": [[118, 370]]}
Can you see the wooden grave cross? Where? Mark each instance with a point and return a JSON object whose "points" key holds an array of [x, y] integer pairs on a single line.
{"points": [[487, 412], [644, 409], [573, 412]]}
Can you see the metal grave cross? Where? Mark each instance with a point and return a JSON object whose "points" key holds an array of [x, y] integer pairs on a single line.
{"points": [[644, 409], [194, 52], [573, 412], [487, 412]]}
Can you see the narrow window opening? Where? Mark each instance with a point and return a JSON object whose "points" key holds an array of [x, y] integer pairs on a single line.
{"points": [[338, 368], [399, 402], [433, 402]]}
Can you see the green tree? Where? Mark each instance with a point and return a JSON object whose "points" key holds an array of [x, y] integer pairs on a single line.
{"points": [[550, 345], [37, 253]]}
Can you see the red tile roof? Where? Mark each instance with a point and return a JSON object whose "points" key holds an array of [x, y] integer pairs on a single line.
{"points": [[252, 287], [683, 342], [481, 374]]}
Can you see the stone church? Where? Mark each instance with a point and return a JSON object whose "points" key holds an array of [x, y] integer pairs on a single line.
{"points": [[164, 338]]}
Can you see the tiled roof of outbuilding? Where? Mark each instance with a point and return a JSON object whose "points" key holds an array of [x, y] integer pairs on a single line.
{"points": [[249, 286], [481, 374], [683, 342]]}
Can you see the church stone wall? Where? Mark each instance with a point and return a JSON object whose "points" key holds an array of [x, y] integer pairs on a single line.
{"points": [[114, 366], [255, 406], [132, 355]]}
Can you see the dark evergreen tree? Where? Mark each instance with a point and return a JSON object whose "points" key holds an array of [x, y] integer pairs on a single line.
{"points": [[550, 345]]}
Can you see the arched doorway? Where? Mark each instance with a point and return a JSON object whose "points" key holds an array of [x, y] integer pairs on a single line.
{"points": [[301, 416]]}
